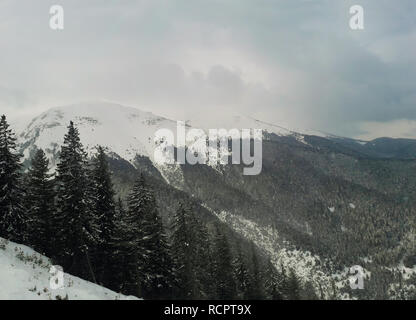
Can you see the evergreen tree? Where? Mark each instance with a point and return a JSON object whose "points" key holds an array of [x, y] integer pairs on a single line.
{"points": [[128, 235], [308, 292], [78, 231], [204, 263], [188, 237], [256, 288], [154, 264], [104, 211], [123, 265], [40, 205], [225, 283], [120, 210], [12, 211], [293, 286], [273, 282], [241, 274]]}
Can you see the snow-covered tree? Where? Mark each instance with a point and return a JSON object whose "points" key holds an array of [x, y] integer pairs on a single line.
{"points": [[185, 249], [224, 275], [273, 282], [40, 205], [154, 264], [78, 232], [292, 286], [12, 211], [241, 274], [104, 210], [256, 285]]}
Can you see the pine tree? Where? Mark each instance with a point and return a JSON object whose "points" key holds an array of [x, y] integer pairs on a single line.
{"points": [[241, 274], [127, 249], [120, 210], [78, 232], [104, 211], [155, 264], [256, 289], [203, 261], [309, 292], [40, 205], [188, 238], [225, 283], [12, 211], [123, 264], [273, 282], [293, 286]]}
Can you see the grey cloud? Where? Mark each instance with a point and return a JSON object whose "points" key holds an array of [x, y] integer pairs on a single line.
{"points": [[295, 62]]}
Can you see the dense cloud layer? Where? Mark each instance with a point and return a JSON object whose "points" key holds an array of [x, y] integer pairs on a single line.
{"points": [[295, 63]]}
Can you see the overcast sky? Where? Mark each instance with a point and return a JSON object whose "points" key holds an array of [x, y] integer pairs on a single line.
{"points": [[295, 63]]}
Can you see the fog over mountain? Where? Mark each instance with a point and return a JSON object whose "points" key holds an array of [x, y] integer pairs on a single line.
{"points": [[297, 64]]}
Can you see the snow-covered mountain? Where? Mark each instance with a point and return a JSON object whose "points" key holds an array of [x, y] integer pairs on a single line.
{"points": [[25, 275], [123, 130]]}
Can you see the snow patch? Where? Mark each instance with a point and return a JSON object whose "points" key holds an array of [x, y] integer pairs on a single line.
{"points": [[24, 275]]}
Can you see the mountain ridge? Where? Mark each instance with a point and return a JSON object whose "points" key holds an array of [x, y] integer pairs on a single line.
{"points": [[128, 131], [322, 195]]}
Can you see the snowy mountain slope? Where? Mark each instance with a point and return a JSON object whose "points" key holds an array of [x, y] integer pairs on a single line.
{"points": [[123, 130], [24, 275], [237, 121], [240, 121], [297, 178], [307, 266]]}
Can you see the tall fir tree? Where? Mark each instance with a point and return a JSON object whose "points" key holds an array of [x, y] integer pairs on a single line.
{"points": [[241, 274], [78, 232], [224, 279], [293, 286], [188, 238], [308, 292], [273, 282], [256, 287], [203, 261], [155, 263], [104, 210], [12, 211], [123, 272], [40, 205], [123, 266]]}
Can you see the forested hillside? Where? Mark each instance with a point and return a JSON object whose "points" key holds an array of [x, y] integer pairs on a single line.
{"points": [[75, 217], [321, 205]]}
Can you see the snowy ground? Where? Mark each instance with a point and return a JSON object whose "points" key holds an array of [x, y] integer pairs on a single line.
{"points": [[25, 275]]}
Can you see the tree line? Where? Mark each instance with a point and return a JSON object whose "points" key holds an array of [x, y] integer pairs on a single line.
{"points": [[74, 217]]}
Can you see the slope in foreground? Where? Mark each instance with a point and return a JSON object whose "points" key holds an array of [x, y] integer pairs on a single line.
{"points": [[24, 275]]}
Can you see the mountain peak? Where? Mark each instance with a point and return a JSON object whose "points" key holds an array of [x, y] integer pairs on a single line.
{"points": [[124, 130]]}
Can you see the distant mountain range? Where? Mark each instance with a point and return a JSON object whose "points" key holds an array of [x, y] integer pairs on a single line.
{"points": [[128, 131]]}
